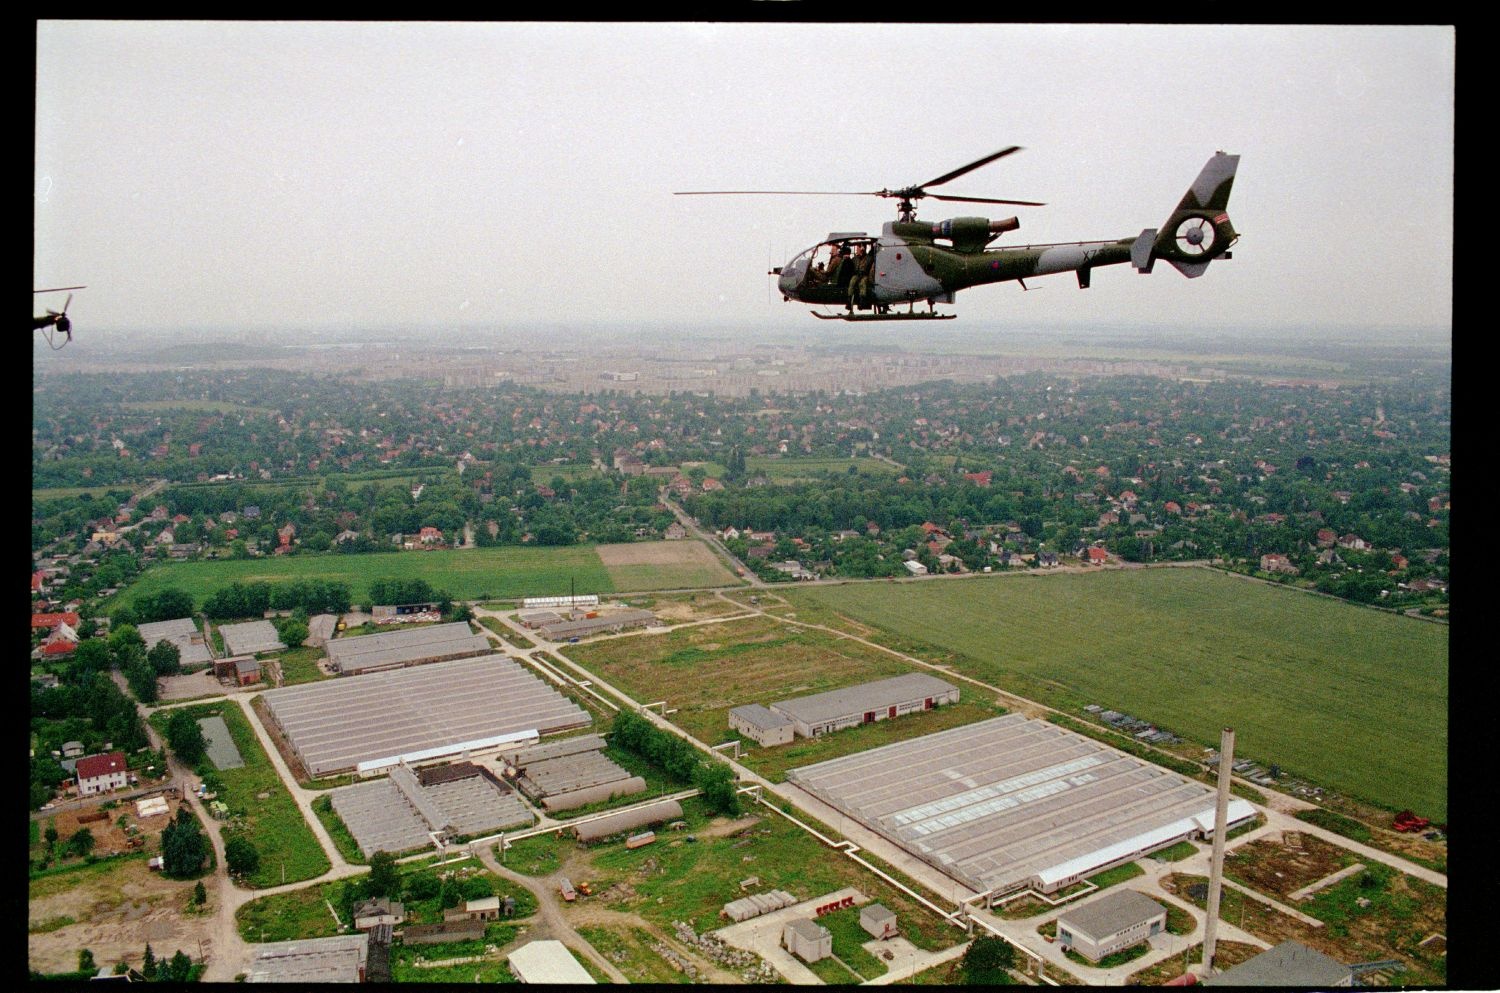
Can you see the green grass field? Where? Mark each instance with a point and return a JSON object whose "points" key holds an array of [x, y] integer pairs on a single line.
{"points": [[1349, 697], [477, 573], [260, 807], [705, 670], [466, 574]]}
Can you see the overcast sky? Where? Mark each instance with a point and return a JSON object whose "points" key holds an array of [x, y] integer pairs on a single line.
{"points": [[348, 175]]}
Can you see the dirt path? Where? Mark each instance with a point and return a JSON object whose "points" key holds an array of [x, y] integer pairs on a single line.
{"points": [[550, 922]]}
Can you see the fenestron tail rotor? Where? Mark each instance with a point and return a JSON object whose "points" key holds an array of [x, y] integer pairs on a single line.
{"points": [[1195, 236]]}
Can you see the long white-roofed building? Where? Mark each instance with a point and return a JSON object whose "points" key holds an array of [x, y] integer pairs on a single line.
{"points": [[397, 649], [373, 722], [1012, 802]]}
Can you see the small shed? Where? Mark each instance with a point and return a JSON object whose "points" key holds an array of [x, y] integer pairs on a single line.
{"points": [[376, 911], [807, 940], [485, 909], [878, 921]]}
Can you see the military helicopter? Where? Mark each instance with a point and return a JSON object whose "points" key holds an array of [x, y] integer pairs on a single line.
{"points": [[914, 260], [55, 322]]}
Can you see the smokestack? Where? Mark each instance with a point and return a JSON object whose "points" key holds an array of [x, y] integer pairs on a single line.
{"points": [[1216, 861]]}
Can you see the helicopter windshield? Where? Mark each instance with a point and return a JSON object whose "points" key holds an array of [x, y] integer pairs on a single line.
{"points": [[828, 264]]}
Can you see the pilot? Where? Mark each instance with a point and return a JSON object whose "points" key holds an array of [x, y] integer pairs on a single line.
{"points": [[837, 266], [817, 275], [859, 282]]}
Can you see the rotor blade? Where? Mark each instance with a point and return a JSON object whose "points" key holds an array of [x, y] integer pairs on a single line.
{"points": [[777, 193], [970, 167], [59, 289], [1019, 203]]}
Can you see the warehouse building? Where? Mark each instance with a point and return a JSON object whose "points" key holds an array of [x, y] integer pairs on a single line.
{"points": [[547, 961], [310, 960], [192, 648], [762, 724], [397, 649], [1289, 964], [610, 825], [585, 627], [250, 637], [1010, 803], [375, 721], [571, 773], [1112, 923], [866, 703]]}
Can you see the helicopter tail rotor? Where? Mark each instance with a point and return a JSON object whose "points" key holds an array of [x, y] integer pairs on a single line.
{"points": [[1199, 230]]}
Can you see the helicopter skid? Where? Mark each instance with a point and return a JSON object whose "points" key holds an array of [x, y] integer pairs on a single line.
{"points": [[913, 316]]}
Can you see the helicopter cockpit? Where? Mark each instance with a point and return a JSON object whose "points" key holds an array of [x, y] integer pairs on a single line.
{"points": [[821, 274]]}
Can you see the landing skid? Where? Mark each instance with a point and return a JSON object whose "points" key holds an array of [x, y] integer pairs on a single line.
{"points": [[909, 316]]}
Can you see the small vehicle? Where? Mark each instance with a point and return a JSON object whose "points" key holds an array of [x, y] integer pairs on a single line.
{"points": [[565, 887], [585, 888]]}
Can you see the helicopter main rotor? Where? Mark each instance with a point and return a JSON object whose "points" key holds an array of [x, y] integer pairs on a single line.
{"points": [[907, 196]]}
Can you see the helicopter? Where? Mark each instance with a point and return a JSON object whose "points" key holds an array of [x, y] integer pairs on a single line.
{"points": [[55, 322], [915, 260]]}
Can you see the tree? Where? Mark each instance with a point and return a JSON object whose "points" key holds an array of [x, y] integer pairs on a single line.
{"points": [[240, 856], [384, 878], [148, 963], [986, 961], [165, 658], [51, 835], [82, 843], [717, 783], [185, 735], [292, 632], [178, 970], [183, 848], [200, 895], [86, 960]]}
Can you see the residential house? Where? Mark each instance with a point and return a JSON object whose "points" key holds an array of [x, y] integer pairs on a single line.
{"points": [[101, 773]]}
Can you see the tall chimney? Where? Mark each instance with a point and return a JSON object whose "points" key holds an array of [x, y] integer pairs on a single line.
{"points": [[1216, 861]]}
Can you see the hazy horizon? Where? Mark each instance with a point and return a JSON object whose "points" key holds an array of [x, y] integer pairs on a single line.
{"points": [[335, 176]]}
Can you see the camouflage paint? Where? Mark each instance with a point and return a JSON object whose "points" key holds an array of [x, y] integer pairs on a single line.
{"points": [[911, 266]]}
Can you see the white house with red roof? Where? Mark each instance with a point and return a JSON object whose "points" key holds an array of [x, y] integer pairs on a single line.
{"points": [[101, 773], [1095, 556]]}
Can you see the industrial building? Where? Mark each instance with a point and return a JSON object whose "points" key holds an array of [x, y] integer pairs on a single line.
{"points": [[310, 960], [571, 773], [1010, 803], [250, 637], [1289, 964], [584, 627], [380, 719], [398, 649], [866, 703], [1112, 923], [413, 810], [610, 825], [192, 648], [547, 961], [762, 724]]}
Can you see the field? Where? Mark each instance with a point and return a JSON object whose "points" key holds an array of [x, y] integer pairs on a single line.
{"points": [[663, 565], [465, 574], [260, 806], [1345, 696], [113, 908], [704, 670]]}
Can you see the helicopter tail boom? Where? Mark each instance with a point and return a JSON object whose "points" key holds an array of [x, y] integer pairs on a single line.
{"points": [[1199, 230]]}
